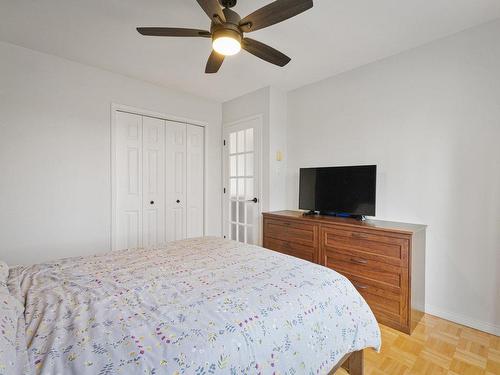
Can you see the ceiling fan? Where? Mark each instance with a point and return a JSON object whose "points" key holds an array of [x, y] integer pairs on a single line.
{"points": [[227, 29]]}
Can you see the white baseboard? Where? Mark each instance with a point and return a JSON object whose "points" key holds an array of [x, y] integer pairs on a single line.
{"points": [[462, 319]]}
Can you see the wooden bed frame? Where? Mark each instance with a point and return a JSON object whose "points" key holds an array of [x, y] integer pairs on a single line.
{"points": [[352, 362]]}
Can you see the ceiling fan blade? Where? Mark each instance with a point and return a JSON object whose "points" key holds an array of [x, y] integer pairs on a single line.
{"points": [[214, 62], [213, 10], [277, 11], [265, 52], [173, 31]]}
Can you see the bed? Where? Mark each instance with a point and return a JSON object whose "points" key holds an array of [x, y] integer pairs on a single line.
{"points": [[198, 306]]}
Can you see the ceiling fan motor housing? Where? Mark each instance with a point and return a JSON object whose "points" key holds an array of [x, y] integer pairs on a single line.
{"points": [[230, 28], [228, 3], [231, 16]]}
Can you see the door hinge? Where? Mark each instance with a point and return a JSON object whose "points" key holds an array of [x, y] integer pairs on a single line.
{"points": [[224, 190], [224, 142]]}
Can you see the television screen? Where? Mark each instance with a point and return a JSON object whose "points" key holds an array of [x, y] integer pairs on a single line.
{"points": [[339, 190]]}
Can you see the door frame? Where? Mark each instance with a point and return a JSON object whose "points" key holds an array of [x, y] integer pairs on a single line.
{"points": [[260, 118], [115, 107]]}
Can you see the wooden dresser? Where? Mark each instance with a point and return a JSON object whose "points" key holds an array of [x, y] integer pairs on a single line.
{"points": [[384, 260]]}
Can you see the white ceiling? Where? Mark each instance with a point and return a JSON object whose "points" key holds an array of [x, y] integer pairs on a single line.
{"points": [[334, 36]]}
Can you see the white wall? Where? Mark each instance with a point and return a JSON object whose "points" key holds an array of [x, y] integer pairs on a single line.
{"points": [[277, 142], [430, 119], [55, 152]]}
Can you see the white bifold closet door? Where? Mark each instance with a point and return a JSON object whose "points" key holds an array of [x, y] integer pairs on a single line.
{"points": [[159, 180], [128, 177], [176, 183], [195, 187], [153, 181]]}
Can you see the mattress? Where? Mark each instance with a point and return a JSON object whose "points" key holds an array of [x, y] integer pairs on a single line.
{"points": [[197, 306]]}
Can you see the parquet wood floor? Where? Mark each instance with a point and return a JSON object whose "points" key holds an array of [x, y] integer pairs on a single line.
{"points": [[436, 347]]}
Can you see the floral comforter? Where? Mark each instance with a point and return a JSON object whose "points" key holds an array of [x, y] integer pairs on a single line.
{"points": [[199, 306]]}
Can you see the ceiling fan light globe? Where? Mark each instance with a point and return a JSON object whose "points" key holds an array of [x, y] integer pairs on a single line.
{"points": [[226, 46]]}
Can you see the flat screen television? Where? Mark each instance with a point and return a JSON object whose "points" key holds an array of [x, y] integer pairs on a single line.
{"points": [[342, 191]]}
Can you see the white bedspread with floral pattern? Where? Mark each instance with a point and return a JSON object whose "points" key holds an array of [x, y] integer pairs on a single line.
{"points": [[200, 306]]}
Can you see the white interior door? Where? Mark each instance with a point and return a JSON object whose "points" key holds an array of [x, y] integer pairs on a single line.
{"points": [[175, 149], [153, 181], [195, 142], [242, 208], [128, 172]]}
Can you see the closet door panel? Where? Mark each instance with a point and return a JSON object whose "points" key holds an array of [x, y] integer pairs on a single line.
{"points": [[195, 181], [153, 181], [128, 177], [175, 181]]}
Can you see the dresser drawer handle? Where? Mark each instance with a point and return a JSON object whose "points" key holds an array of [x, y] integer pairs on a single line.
{"points": [[360, 286], [358, 235], [359, 261]]}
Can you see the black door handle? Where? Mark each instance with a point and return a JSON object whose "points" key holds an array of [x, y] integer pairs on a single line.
{"points": [[255, 200], [152, 202], [178, 201]]}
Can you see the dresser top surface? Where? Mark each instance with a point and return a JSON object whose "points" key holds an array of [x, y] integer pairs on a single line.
{"points": [[374, 224]]}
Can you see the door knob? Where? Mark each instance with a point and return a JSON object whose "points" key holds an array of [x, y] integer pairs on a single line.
{"points": [[178, 201], [152, 202], [255, 200]]}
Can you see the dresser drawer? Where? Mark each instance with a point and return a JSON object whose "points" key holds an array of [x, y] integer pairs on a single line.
{"points": [[383, 275], [291, 248], [387, 310], [290, 231], [385, 249]]}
